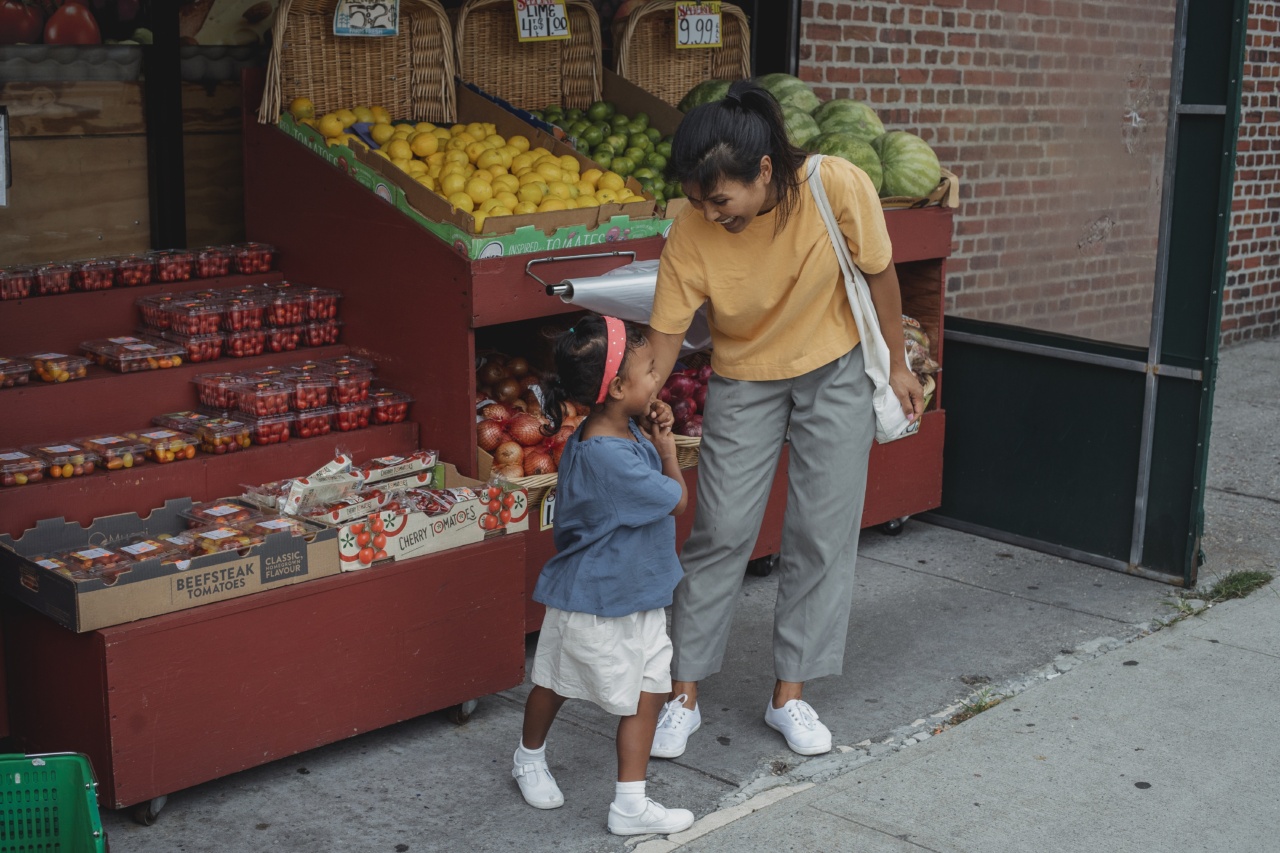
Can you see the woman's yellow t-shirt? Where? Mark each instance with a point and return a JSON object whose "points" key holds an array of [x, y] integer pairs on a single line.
{"points": [[778, 307]]}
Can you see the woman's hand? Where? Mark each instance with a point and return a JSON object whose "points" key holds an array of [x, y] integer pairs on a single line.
{"points": [[907, 387]]}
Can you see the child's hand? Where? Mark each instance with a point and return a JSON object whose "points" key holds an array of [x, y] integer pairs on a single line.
{"points": [[660, 414], [658, 430]]}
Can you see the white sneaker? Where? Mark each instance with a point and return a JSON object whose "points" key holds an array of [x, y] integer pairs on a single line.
{"points": [[675, 724], [655, 819], [537, 785], [799, 724]]}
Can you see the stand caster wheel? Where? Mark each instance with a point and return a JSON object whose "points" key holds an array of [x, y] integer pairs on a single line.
{"points": [[894, 527], [149, 812], [459, 714], [762, 567]]}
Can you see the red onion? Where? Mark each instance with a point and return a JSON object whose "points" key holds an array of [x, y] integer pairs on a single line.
{"points": [[682, 386], [700, 398], [704, 374], [681, 410], [526, 429], [556, 452], [508, 453], [489, 434], [692, 427], [537, 461], [665, 394]]}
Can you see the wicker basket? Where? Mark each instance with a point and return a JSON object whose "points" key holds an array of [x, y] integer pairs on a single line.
{"points": [[410, 74], [530, 75], [645, 45], [687, 450]]}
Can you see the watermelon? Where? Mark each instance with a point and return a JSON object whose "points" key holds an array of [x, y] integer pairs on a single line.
{"points": [[704, 93], [857, 151], [909, 164], [801, 128], [849, 116], [788, 90]]}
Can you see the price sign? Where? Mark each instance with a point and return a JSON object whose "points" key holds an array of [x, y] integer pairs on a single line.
{"points": [[366, 18], [547, 512], [541, 20], [697, 25]]}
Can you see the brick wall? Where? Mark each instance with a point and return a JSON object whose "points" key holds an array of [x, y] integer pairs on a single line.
{"points": [[1253, 265], [1052, 112]]}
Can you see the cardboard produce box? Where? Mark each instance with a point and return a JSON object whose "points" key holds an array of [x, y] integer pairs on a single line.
{"points": [[152, 587]]}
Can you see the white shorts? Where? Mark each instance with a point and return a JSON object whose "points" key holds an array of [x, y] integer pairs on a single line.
{"points": [[608, 660]]}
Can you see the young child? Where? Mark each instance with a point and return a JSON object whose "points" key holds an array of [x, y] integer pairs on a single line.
{"points": [[604, 637]]}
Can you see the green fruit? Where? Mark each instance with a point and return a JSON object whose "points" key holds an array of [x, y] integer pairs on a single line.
{"points": [[849, 116], [790, 90], [573, 113], [617, 140], [644, 173], [856, 151], [910, 167], [634, 126], [801, 128], [604, 159], [538, 114], [656, 162], [641, 119], [663, 148], [624, 166], [704, 93], [601, 111], [618, 120], [604, 148], [593, 135], [655, 135], [636, 155], [674, 190], [639, 140]]}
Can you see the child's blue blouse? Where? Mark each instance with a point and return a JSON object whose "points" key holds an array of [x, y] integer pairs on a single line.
{"points": [[614, 533]]}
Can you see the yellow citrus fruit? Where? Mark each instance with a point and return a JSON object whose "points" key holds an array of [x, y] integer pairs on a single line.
{"points": [[480, 191], [427, 181], [479, 219], [425, 144], [531, 193], [611, 181], [475, 149], [462, 201], [509, 183], [586, 200], [569, 163], [634, 199], [537, 152], [569, 204], [348, 118], [507, 199], [400, 163], [309, 122], [559, 189], [520, 143], [336, 140], [584, 188], [606, 196], [456, 156], [524, 207], [382, 133], [380, 115], [592, 176], [482, 175], [331, 126], [433, 171], [442, 134], [424, 127], [452, 184], [495, 171], [478, 130], [489, 204], [493, 140], [499, 211], [302, 108], [552, 204], [457, 144], [489, 157], [382, 154], [520, 162], [549, 172], [398, 148], [417, 167], [363, 114], [436, 159], [352, 141]]}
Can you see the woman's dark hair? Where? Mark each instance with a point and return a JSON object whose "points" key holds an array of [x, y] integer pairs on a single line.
{"points": [[727, 138], [580, 356]]}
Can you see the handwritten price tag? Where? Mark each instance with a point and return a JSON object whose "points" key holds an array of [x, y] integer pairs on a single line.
{"points": [[547, 512], [541, 20], [697, 25], [366, 18]]}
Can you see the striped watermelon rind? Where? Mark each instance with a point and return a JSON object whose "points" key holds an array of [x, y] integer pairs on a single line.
{"points": [[789, 90], [849, 116], [909, 165], [857, 151], [704, 93], [801, 128]]}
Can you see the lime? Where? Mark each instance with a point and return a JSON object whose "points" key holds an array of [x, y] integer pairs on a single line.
{"points": [[636, 155], [604, 148], [617, 140], [622, 165], [663, 148], [536, 114], [573, 113], [641, 119], [601, 111], [619, 121], [656, 162], [655, 135], [592, 135], [577, 127], [644, 174], [639, 140], [604, 159]]}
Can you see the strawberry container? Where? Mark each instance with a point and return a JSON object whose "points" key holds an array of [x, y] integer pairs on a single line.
{"points": [[243, 312], [57, 367], [195, 316], [135, 270], [53, 278], [323, 333], [264, 397], [18, 468], [166, 445], [270, 429], [155, 309], [223, 435], [94, 274], [284, 338], [115, 452], [310, 391], [218, 390], [16, 282], [322, 303], [313, 422], [254, 257], [351, 385], [389, 406], [186, 422], [245, 343], [14, 372], [285, 307], [215, 540], [66, 460], [214, 261], [349, 416], [173, 265], [199, 348], [132, 355], [219, 513]]}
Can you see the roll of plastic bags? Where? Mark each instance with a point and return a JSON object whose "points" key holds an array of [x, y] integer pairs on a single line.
{"points": [[627, 293]]}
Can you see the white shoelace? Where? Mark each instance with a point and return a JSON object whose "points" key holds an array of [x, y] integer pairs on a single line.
{"points": [[672, 716], [802, 712]]}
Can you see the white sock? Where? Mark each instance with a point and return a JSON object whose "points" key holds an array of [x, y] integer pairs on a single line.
{"points": [[629, 797], [525, 755]]}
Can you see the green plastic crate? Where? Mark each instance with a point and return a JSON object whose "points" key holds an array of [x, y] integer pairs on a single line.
{"points": [[49, 804]]}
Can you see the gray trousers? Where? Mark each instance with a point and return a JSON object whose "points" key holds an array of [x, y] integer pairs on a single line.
{"points": [[832, 425]]}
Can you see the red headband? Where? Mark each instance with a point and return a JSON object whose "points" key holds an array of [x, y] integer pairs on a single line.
{"points": [[613, 359]]}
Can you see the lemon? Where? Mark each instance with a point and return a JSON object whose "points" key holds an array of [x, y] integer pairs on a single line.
{"points": [[433, 171], [586, 200], [490, 157], [559, 189], [633, 199], [335, 140], [552, 204], [569, 204], [380, 115], [400, 163], [480, 191], [479, 219], [348, 118], [499, 211], [442, 134], [382, 133], [426, 180], [331, 126], [549, 172], [606, 196], [520, 162], [462, 201], [520, 143], [482, 175], [506, 199], [436, 159], [457, 143], [569, 163], [424, 127], [493, 140], [584, 188], [425, 144], [475, 149], [363, 114], [625, 195], [301, 108], [383, 154], [509, 183], [478, 130], [524, 207], [416, 167], [592, 176], [452, 184], [399, 149], [489, 128], [495, 171], [537, 152], [531, 194], [611, 181], [309, 122], [489, 204], [455, 129], [456, 156]]}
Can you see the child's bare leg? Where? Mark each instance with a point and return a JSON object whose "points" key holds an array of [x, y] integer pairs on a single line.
{"points": [[632, 813], [540, 711], [635, 737]]}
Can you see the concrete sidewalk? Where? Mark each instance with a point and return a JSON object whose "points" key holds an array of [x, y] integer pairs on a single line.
{"points": [[938, 615]]}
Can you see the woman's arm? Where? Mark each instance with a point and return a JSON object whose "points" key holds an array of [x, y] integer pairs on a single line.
{"points": [[666, 349], [888, 300]]}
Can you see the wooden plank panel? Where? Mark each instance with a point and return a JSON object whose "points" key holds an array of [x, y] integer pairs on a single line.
{"points": [[75, 198], [214, 177], [79, 108], [212, 108], [919, 233]]}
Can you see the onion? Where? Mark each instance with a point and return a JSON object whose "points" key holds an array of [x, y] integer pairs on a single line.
{"points": [[517, 367], [682, 386], [508, 453], [490, 373], [681, 410], [489, 434], [496, 412], [506, 390], [531, 404], [572, 421], [538, 462], [526, 429], [509, 472], [704, 374], [692, 427], [527, 382], [665, 394], [700, 398]]}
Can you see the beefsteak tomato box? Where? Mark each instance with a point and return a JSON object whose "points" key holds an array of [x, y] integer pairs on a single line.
{"points": [[153, 587], [388, 536]]}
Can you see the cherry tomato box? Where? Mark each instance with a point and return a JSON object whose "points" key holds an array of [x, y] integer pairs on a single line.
{"points": [[137, 566]]}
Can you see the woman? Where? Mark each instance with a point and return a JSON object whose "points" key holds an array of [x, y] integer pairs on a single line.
{"points": [[787, 361]]}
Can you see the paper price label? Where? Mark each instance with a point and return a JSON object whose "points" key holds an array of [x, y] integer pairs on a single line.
{"points": [[366, 18], [697, 25], [547, 512], [541, 20]]}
